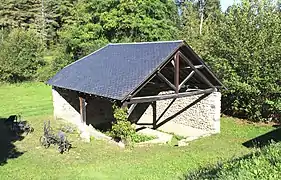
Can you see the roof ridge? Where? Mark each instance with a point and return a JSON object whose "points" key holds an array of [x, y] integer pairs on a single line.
{"points": [[147, 42]]}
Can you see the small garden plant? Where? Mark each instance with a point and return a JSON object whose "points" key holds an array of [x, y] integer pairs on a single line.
{"points": [[123, 130]]}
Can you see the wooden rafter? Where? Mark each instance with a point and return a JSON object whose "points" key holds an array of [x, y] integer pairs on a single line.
{"points": [[144, 84], [188, 67], [161, 76], [168, 96], [195, 69], [176, 86], [186, 79], [131, 109]]}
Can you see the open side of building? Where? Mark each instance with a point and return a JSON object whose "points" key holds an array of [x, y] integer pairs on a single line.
{"points": [[159, 82]]}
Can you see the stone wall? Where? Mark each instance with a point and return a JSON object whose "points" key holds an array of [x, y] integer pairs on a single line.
{"points": [[66, 106], [204, 114]]}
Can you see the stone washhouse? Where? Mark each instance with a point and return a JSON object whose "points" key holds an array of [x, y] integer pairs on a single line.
{"points": [[159, 82]]}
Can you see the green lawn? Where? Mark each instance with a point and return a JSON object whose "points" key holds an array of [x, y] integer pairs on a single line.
{"points": [[100, 160], [28, 99]]}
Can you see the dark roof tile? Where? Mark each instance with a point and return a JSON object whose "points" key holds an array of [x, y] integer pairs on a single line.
{"points": [[115, 70]]}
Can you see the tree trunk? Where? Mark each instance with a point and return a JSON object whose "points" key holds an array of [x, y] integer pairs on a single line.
{"points": [[201, 23]]}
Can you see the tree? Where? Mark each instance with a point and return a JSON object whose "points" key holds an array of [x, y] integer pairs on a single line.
{"points": [[45, 16], [55, 14], [245, 53], [19, 13], [20, 56], [97, 22], [191, 22]]}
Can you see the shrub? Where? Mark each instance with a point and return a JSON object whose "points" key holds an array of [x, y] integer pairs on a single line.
{"points": [[21, 54], [122, 129]]}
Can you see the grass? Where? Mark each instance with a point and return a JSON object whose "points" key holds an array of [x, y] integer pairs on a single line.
{"points": [[28, 99], [264, 163], [100, 160]]}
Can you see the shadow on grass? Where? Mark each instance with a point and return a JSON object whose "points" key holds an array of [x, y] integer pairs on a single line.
{"points": [[7, 138], [265, 139], [213, 171]]}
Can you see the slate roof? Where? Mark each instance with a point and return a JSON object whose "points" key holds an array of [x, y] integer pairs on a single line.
{"points": [[115, 70]]}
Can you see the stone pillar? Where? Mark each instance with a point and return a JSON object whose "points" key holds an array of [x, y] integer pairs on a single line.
{"points": [[216, 108]]}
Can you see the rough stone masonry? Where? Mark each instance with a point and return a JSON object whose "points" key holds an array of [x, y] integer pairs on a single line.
{"points": [[204, 115]]}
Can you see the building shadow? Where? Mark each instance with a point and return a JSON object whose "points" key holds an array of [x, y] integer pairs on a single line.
{"points": [[7, 139], [264, 140], [99, 111]]}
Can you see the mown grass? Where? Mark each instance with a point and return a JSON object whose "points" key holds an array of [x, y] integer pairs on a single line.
{"points": [[28, 99], [100, 160]]}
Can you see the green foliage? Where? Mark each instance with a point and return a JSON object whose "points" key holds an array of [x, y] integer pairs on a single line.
{"points": [[242, 46], [122, 129], [191, 25], [20, 56], [262, 164], [137, 138], [19, 13], [246, 55], [59, 58], [97, 22]]}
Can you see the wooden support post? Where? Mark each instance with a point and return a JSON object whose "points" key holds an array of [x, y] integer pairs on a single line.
{"points": [[82, 109], [153, 104], [177, 72]]}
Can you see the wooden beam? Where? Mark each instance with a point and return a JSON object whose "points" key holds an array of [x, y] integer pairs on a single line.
{"points": [[161, 76], [153, 104], [144, 84], [188, 67], [169, 96], [131, 108], [166, 109], [82, 109], [195, 69], [186, 79], [196, 66], [177, 72]]}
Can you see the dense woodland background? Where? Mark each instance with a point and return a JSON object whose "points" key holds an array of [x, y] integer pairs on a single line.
{"points": [[242, 45]]}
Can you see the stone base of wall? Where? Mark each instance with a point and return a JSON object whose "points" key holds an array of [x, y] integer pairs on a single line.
{"points": [[204, 114], [63, 108]]}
